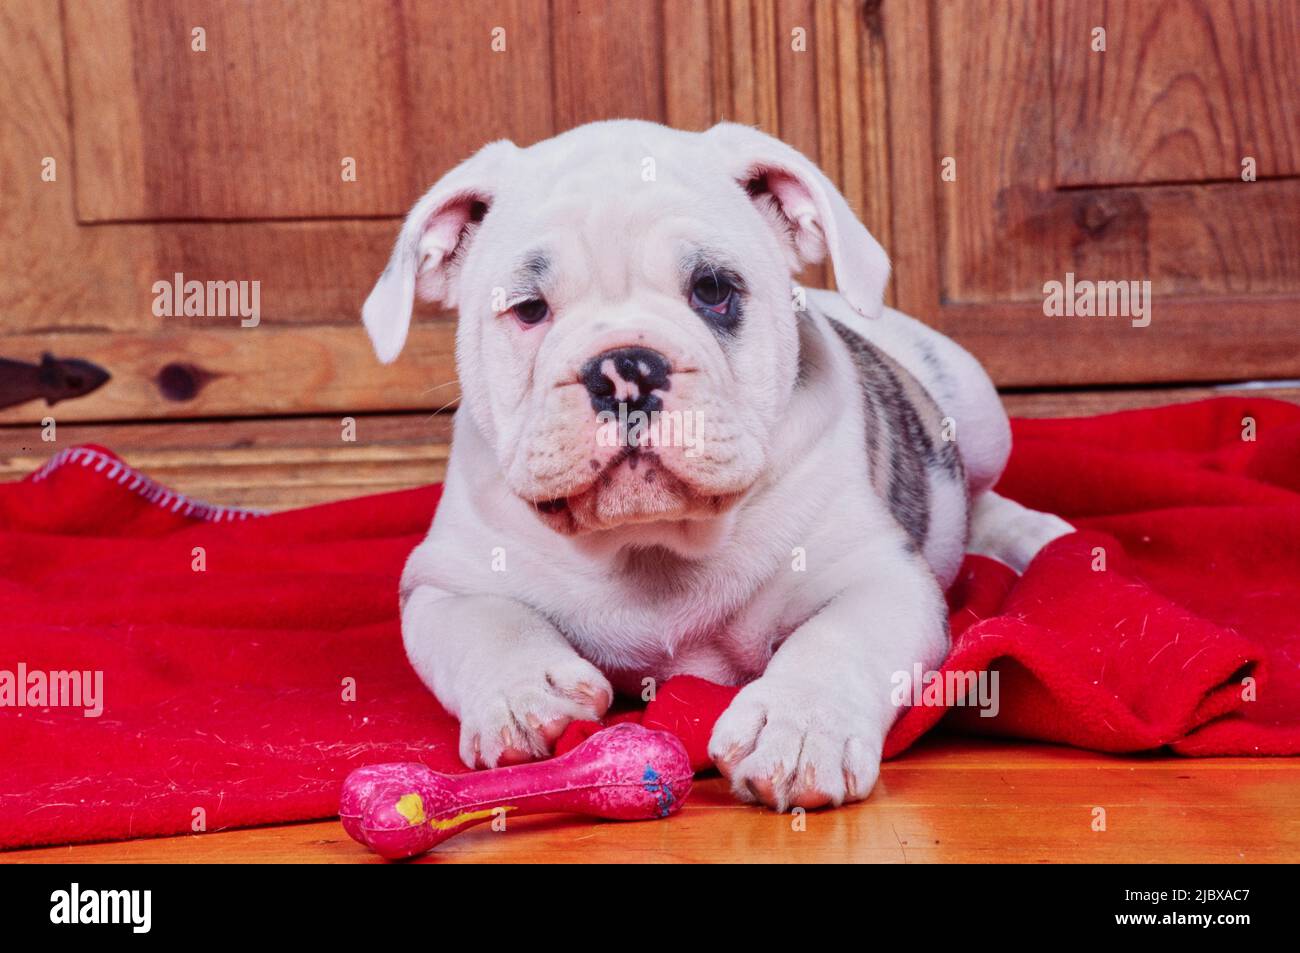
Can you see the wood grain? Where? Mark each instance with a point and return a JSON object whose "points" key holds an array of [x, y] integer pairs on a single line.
{"points": [[947, 801], [1223, 262], [969, 256], [607, 61], [1182, 93], [460, 92], [1006, 229], [913, 159], [1087, 402], [689, 60], [257, 125], [1189, 341], [852, 115], [254, 126], [58, 275], [270, 464], [185, 373], [281, 463]]}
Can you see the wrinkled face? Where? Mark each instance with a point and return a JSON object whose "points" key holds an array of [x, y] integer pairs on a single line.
{"points": [[627, 340], [630, 343]]}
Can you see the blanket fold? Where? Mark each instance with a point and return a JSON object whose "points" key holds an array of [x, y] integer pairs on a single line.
{"points": [[170, 666]]}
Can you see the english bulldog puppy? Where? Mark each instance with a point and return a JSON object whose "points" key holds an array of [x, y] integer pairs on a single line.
{"points": [[669, 460]]}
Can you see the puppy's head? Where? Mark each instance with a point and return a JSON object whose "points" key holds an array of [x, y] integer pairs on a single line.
{"points": [[627, 340]]}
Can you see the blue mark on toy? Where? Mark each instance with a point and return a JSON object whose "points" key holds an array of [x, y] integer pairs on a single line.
{"points": [[663, 796]]}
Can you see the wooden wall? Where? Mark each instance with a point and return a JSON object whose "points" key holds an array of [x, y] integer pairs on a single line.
{"points": [[227, 163]]}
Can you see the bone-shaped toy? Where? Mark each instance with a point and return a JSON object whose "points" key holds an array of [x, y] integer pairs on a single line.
{"points": [[625, 773]]}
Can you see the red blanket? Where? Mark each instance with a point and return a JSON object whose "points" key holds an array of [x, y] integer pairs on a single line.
{"points": [[246, 663]]}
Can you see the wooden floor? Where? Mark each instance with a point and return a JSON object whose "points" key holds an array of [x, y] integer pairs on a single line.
{"points": [[947, 800]]}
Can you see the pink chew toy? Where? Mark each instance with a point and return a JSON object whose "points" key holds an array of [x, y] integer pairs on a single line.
{"points": [[625, 773]]}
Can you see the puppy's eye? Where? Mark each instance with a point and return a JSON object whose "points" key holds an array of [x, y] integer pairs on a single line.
{"points": [[716, 296], [532, 311], [712, 292]]}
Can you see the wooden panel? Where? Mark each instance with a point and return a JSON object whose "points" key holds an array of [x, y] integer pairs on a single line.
{"points": [[1086, 403], [259, 123], [265, 464], [913, 159], [824, 95], [1189, 340], [853, 114], [689, 54], [1006, 231], [277, 464], [460, 92], [255, 126], [58, 275], [607, 61], [1183, 92], [263, 370], [972, 255], [64, 278], [750, 88], [948, 800]]}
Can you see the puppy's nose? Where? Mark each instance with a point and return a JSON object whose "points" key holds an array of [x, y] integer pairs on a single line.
{"points": [[627, 375]]}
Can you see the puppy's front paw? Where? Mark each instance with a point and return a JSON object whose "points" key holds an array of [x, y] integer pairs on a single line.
{"points": [[797, 746], [519, 717]]}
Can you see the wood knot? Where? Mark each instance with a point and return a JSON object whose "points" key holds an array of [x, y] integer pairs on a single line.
{"points": [[179, 381], [1095, 213]]}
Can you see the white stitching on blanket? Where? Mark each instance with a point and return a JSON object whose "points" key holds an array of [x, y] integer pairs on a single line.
{"points": [[142, 485]]}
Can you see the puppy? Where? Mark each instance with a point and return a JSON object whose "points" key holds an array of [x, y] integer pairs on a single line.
{"points": [[667, 460]]}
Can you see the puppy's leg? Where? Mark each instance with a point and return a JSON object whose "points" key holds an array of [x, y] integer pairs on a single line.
{"points": [[1004, 530], [503, 670], [809, 732]]}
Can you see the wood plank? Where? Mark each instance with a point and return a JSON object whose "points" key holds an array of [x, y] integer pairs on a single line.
{"points": [[1183, 92], [281, 463], [1189, 340], [263, 370], [949, 801], [1211, 239], [914, 159], [1005, 229], [270, 464], [689, 61], [462, 92], [940, 228], [852, 143], [59, 275], [1087, 402], [259, 123], [256, 125], [760, 66], [607, 61], [971, 255], [864, 118]]}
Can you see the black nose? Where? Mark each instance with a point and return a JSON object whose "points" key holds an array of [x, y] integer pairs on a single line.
{"points": [[626, 375]]}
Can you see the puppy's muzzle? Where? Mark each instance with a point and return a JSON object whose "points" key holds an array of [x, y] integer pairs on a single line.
{"points": [[627, 375]]}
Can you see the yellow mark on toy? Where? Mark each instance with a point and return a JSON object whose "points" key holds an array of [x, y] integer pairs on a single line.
{"points": [[411, 807], [466, 817]]}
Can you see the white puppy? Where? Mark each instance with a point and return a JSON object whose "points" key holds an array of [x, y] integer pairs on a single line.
{"points": [[669, 461]]}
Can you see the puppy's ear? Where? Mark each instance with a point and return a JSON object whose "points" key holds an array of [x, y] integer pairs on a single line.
{"points": [[807, 211], [430, 247]]}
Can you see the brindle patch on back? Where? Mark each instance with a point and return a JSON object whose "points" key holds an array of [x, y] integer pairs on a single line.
{"points": [[904, 427]]}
